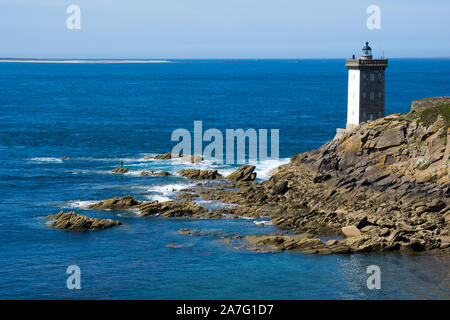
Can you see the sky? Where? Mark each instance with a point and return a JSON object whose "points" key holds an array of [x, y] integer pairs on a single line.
{"points": [[233, 29]]}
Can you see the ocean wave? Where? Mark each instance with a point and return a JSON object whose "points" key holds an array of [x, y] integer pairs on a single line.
{"points": [[265, 169], [47, 159], [166, 192], [81, 204], [263, 223], [214, 204]]}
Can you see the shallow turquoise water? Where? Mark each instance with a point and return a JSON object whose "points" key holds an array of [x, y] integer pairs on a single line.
{"points": [[92, 112]]}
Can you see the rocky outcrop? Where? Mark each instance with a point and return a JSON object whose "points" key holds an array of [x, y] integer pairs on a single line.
{"points": [[174, 209], [197, 174], [169, 209], [383, 185], [155, 173], [126, 202], [78, 222], [244, 173], [427, 103], [120, 170], [165, 156], [278, 242], [195, 158]]}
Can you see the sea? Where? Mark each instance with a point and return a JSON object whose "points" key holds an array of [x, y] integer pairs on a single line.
{"points": [[64, 127]]}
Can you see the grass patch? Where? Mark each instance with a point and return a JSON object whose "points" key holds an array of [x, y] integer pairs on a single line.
{"points": [[429, 116]]}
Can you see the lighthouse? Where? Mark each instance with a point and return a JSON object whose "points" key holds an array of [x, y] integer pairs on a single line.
{"points": [[366, 88]]}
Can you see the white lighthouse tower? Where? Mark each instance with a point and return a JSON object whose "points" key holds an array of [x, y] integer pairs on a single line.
{"points": [[366, 88]]}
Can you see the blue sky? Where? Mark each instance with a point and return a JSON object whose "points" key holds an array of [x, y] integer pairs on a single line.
{"points": [[176, 29]]}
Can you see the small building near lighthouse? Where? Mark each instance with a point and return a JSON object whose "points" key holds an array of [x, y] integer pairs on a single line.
{"points": [[366, 89]]}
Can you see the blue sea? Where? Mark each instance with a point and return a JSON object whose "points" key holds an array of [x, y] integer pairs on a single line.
{"points": [[100, 114]]}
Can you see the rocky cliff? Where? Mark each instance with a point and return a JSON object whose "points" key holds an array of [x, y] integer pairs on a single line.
{"points": [[389, 178]]}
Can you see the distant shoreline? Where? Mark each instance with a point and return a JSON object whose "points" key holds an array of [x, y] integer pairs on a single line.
{"points": [[80, 61]]}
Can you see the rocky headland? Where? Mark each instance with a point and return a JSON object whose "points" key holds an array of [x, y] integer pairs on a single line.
{"points": [[383, 186]]}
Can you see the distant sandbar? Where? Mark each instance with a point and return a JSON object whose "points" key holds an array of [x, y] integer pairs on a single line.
{"points": [[79, 61]]}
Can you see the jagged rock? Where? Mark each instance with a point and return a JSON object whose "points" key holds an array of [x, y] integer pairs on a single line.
{"points": [[436, 205], [187, 196], [174, 209], [155, 173], [278, 242], [391, 137], [78, 222], [197, 174], [126, 202], [120, 170], [170, 209], [165, 156], [280, 188], [244, 173]]}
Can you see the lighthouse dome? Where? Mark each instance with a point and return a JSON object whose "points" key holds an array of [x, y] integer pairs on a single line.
{"points": [[367, 52]]}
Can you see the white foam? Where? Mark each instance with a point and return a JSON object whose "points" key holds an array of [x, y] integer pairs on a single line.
{"points": [[166, 192], [133, 173], [263, 223], [168, 189], [159, 198], [214, 204], [266, 168], [47, 159], [78, 204]]}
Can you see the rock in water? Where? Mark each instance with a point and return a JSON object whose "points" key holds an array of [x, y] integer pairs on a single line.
{"points": [[174, 209], [244, 173], [126, 202], [277, 242], [165, 156], [78, 222], [197, 174], [155, 173], [120, 170], [169, 209]]}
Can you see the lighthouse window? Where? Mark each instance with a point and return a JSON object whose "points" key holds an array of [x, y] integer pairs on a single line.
{"points": [[372, 96]]}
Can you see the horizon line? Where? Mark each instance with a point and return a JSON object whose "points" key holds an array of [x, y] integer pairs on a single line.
{"points": [[168, 60]]}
